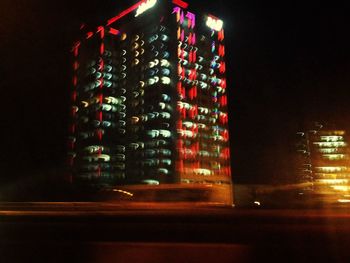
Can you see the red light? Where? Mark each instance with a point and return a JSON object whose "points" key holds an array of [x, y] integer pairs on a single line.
{"points": [[180, 165], [223, 100], [179, 124], [102, 48], [192, 93], [101, 30], [113, 31], [101, 100], [76, 48], [99, 134], [124, 13], [75, 65], [74, 96], [89, 34], [223, 83], [221, 35], [180, 3], [189, 39], [101, 66], [223, 67], [221, 50]]}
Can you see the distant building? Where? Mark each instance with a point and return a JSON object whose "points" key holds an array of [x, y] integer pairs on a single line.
{"points": [[323, 159], [149, 100]]}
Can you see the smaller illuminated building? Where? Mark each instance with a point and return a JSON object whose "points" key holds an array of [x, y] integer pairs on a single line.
{"points": [[324, 159]]}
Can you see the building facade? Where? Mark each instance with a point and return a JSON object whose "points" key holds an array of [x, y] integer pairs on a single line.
{"points": [[324, 159], [149, 100]]}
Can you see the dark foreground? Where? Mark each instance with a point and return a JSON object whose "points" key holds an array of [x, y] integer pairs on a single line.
{"points": [[105, 232]]}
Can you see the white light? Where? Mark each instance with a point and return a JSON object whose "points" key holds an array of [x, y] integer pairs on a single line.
{"points": [[343, 200], [165, 115], [123, 192], [202, 171], [165, 80], [145, 6], [111, 100], [152, 182], [165, 133], [215, 24], [164, 63]]}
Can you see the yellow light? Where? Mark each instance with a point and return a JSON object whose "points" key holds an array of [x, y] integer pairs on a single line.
{"points": [[342, 188], [331, 138], [343, 200], [123, 192], [334, 156], [332, 168], [215, 24], [135, 119], [333, 181]]}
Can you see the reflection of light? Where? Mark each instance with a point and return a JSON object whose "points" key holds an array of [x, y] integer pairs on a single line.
{"points": [[123, 192], [153, 182], [257, 202]]}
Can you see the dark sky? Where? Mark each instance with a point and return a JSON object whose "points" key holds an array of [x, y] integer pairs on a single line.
{"points": [[288, 63]]}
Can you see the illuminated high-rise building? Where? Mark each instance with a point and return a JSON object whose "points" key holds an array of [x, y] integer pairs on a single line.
{"points": [[149, 99]]}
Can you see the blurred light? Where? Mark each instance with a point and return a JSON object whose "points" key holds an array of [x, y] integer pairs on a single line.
{"points": [[145, 6], [123, 192], [214, 23], [343, 200], [342, 188]]}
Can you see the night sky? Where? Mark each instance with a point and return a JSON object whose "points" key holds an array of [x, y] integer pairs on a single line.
{"points": [[287, 64]]}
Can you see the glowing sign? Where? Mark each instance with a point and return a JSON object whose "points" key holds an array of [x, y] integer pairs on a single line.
{"points": [[214, 23], [145, 6]]}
